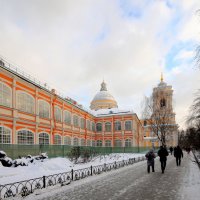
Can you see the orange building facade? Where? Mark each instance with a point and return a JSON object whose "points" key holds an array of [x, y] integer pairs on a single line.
{"points": [[32, 114]]}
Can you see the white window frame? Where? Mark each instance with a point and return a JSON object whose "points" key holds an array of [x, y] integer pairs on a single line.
{"points": [[106, 125], [26, 106], [67, 140], [5, 135], [3, 100], [67, 117], [60, 143], [43, 139], [57, 114], [98, 130], [118, 125], [128, 127], [27, 143], [42, 114]]}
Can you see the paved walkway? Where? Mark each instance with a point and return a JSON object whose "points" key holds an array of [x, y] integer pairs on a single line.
{"points": [[134, 183]]}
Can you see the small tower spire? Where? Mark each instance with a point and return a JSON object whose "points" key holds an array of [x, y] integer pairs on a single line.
{"points": [[103, 86], [161, 78]]}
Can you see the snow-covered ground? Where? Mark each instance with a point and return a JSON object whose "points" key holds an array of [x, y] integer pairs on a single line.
{"points": [[54, 166]]}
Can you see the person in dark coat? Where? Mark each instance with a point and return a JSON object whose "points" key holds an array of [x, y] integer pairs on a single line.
{"points": [[150, 160], [171, 149], [178, 153], [163, 153]]}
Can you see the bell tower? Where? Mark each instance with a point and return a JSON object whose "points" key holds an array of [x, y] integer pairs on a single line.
{"points": [[163, 99], [163, 106]]}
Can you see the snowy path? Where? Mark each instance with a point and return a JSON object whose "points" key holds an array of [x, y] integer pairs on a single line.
{"points": [[133, 182]]}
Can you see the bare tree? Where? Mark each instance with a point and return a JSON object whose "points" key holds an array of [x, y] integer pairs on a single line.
{"points": [[193, 119], [158, 117]]}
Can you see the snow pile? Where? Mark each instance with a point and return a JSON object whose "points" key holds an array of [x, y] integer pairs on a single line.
{"points": [[111, 111], [54, 166]]}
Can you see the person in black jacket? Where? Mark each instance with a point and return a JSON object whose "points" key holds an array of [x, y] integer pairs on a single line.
{"points": [[150, 160], [178, 153], [171, 149], [163, 153]]}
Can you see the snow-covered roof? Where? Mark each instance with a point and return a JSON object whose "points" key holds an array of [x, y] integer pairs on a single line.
{"points": [[110, 112]]}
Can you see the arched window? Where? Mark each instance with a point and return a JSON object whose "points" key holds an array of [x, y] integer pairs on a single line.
{"points": [[57, 139], [57, 114], [145, 122], [75, 120], [82, 123], [108, 127], [118, 126], [88, 125], [25, 137], [5, 95], [67, 140], [99, 143], [82, 142], [44, 109], [128, 125], [5, 135], [162, 103], [108, 143], [88, 143], [75, 142], [118, 143], [25, 102], [67, 117], [93, 126], [99, 127], [44, 138], [128, 143]]}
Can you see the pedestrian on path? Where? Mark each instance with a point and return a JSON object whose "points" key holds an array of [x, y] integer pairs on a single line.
{"points": [[171, 150], [150, 160], [178, 153], [163, 153]]}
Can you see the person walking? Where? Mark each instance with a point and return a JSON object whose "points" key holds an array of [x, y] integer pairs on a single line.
{"points": [[171, 150], [163, 153], [178, 153], [150, 160]]}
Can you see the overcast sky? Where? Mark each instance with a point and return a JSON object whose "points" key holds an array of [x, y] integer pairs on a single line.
{"points": [[73, 45]]}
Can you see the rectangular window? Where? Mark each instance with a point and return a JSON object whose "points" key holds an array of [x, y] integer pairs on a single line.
{"points": [[128, 125]]}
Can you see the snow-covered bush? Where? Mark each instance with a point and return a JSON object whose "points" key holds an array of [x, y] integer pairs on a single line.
{"points": [[20, 162], [24, 161], [2, 154], [6, 161]]}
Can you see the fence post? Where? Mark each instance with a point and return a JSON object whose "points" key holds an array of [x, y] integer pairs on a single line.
{"points": [[104, 167], [115, 165], [72, 173], [91, 170], [44, 182]]}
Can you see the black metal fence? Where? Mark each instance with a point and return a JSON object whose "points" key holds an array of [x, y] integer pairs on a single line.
{"points": [[24, 188]]}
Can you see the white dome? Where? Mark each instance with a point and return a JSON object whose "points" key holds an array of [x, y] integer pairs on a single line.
{"points": [[103, 99], [103, 95]]}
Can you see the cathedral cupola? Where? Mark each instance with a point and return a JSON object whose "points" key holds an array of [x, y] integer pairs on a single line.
{"points": [[103, 99]]}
